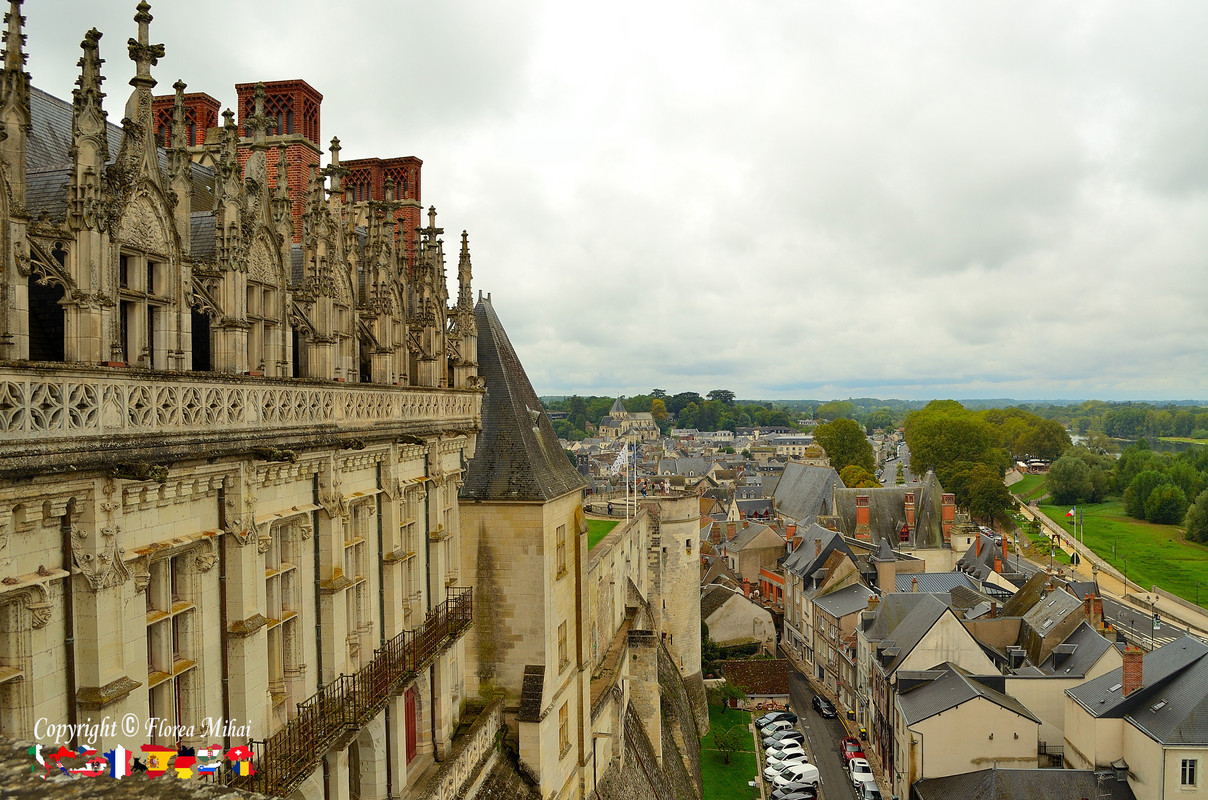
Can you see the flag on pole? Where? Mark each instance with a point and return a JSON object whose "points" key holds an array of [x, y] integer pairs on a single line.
{"points": [[622, 457], [1070, 513]]}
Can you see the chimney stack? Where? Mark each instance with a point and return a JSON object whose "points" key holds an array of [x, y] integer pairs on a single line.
{"points": [[993, 609], [790, 530], [977, 546], [910, 509], [1132, 670], [817, 547], [731, 530], [1097, 612], [914, 584]]}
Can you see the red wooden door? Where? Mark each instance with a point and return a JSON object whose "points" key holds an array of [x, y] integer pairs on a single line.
{"points": [[409, 705]]}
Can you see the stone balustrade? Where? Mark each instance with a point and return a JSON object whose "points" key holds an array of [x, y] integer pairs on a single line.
{"points": [[464, 765], [44, 405]]}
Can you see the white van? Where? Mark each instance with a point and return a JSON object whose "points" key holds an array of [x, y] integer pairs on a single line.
{"points": [[796, 774]]}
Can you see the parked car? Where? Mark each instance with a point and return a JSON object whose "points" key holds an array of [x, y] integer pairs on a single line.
{"points": [[774, 768], [824, 707], [868, 790], [781, 752], [784, 737], [860, 770], [798, 791], [774, 716], [776, 725], [850, 748], [797, 773], [789, 758]]}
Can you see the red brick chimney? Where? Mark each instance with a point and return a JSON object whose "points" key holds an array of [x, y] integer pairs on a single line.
{"points": [[993, 610], [977, 546], [790, 531], [862, 514], [817, 547], [1132, 670], [910, 509], [715, 533], [947, 514], [1097, 612], [731, 530], [746, 587]]}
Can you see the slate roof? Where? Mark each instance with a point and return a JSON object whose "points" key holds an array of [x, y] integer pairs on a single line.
{"points": [[713, 598], [1021, 784], [1078, 653], [934, 582], [518, 456], [887, 510], [955, 687], [682, 466], [805, 492], [847, 600], [911, 629], [804, 561], [531, 691], [1171, 706], [749, 534], [48, 159]]}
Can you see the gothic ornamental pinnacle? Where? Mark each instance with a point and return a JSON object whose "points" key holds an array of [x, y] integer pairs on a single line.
{"points": [[245, 433]]}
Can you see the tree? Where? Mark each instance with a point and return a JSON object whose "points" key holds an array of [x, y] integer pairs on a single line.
{"points": [[856, 477], [879, 420], [945, 432], [1046, 439], [989, 497], [845, 443], [1069, 480], [658, 410], [836, 409], [1196, 520], [659, 393], [725, 396], [682, 400], [1166, 504], [727, 740], [1138, 491]]}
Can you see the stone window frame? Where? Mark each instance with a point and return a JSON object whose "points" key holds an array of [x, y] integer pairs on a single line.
{"points": [[355, 563], [282, 603], [563, 650], [264, 317], [142, 277], [560, 551], [172, 636], [564, 729], [1188, 773], [15, 667], [408, 533]]}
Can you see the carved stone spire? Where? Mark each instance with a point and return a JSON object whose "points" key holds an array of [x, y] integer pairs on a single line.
{"points": [[14, 101], [14, 39], [179, 170], [336, 172], [258, 123], [137, 156], [144, 55], [465, 299], [89, 142]]}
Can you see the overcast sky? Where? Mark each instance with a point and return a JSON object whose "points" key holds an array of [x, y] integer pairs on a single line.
{"points": [[787, 198]]}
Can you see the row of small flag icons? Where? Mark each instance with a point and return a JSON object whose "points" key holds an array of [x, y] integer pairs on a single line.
{"points": [[185, 762]]}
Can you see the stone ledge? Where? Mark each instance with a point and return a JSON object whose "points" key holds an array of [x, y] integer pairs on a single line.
{"points": [[100, 696]]}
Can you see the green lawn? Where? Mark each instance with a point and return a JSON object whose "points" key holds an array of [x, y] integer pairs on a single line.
{"points": [[597, 529], [727, 781], [1030, 487], [1149, 554]]}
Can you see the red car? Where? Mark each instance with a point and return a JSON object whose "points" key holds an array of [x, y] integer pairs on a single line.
{"points": [[851, 748]]}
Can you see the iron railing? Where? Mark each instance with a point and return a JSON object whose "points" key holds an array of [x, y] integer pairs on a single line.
{"points": [[349, 702]]}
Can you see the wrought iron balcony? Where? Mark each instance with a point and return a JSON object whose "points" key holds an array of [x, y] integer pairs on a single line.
{"points": [[345, 705]]}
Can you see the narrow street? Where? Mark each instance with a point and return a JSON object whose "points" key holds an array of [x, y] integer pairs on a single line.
{"points": [[822, 737]]}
